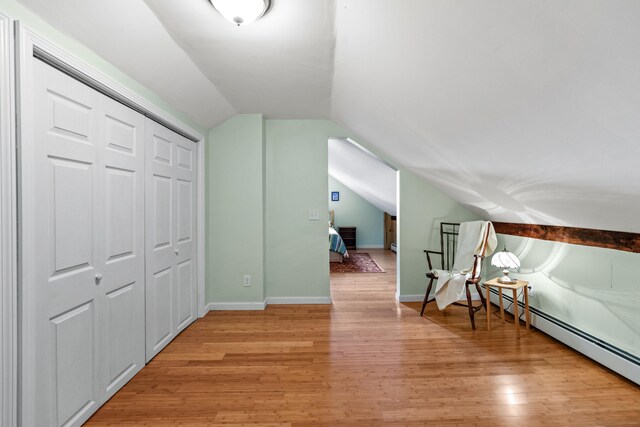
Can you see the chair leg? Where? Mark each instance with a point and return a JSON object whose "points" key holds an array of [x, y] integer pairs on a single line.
{"points": [[471, 313], [482, 298], [426, 297]]}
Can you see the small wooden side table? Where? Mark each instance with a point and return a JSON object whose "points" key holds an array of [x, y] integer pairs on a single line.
{"points": [[514, 287]]}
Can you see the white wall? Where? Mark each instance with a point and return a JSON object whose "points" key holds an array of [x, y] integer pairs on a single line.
{"points": [[525, 110], [593, 289]]}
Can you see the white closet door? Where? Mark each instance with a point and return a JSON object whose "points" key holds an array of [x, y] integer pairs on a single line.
{"points": [[170, 233], [185, 190], [122, 247], [88, 306], [67, 212]]}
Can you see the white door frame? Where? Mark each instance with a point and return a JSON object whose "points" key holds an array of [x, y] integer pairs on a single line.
{"points": [[30, 44], [8, 284]]}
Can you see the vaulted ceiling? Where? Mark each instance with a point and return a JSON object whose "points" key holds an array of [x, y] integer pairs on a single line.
{"points": [[525, 111], [364, 173]]}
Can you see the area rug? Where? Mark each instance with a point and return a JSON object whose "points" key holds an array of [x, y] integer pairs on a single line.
{"points": [[356, 263]]}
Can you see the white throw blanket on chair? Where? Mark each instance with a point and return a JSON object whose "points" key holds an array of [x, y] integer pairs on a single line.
{"points": [[474, 238]]}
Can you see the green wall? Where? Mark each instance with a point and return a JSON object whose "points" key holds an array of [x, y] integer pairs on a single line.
{"points": [[596, 290], [353, 210], [297, 180], [289, 179], [235, 210], [422, 209]]}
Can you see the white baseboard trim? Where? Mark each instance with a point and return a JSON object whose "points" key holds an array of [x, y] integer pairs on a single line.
{"points": [[370, 247], [257, 306], [611, 360], [409, 298], [298, 300], [233, 306]]}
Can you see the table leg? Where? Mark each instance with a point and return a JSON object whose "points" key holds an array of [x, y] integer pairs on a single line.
{"points": [[488, 307], [501, 305], [516, 319], [526, 307]]}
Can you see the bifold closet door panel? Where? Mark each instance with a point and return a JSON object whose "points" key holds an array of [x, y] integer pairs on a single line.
{"points": [[185, 189], [122, 288], [160, 237], [170, 234], [67, 217], [86, 311]]}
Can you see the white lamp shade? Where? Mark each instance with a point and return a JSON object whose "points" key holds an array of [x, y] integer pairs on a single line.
{"points": [[241, 12], [505, 259]]}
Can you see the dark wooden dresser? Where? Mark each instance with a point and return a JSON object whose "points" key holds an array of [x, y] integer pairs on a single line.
{"points": [[348, 235]]}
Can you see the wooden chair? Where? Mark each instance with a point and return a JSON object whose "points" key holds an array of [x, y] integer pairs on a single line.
{"points": [[448, 244]]}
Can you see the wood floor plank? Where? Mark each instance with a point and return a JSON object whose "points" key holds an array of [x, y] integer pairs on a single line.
{"points": [[367, 360]]}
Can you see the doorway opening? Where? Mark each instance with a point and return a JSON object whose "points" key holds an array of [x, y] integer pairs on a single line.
{"points": [[363, 215]]}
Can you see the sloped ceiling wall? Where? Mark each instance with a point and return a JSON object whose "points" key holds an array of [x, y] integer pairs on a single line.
{"points": [[364, 174], [525, 111], [128, 34]]}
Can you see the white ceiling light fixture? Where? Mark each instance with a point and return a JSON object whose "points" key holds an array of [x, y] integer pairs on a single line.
{"points": [[242, 12]]}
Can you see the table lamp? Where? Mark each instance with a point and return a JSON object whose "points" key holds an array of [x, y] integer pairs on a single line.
{"points": [[506, 260]]}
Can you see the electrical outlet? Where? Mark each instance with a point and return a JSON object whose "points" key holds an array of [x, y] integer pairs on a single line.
{"points": [[246, 280]]}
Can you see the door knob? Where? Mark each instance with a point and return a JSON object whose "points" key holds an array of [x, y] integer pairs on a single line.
{"points": [[177, 251], [98, 278]]}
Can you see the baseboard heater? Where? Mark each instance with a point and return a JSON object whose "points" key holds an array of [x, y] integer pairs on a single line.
{"points": [[614, 358], [394, 247]]}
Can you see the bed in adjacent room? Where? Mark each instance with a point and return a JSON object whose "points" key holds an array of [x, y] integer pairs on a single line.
{"points": [[337, 248]]}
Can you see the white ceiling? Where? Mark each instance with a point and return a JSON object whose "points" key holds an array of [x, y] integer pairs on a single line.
{"points": [[525, 111], [280, 66], [128, 35], [363, 173]]}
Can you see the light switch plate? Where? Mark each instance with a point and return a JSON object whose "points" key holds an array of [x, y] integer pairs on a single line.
{"points": [[314, 215]]}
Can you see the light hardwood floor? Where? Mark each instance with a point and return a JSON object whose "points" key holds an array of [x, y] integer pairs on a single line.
{"points": [[367, 360]]}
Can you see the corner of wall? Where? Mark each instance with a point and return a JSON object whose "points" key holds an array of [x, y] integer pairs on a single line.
{"points": [[236, 211], [422, 208]]}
